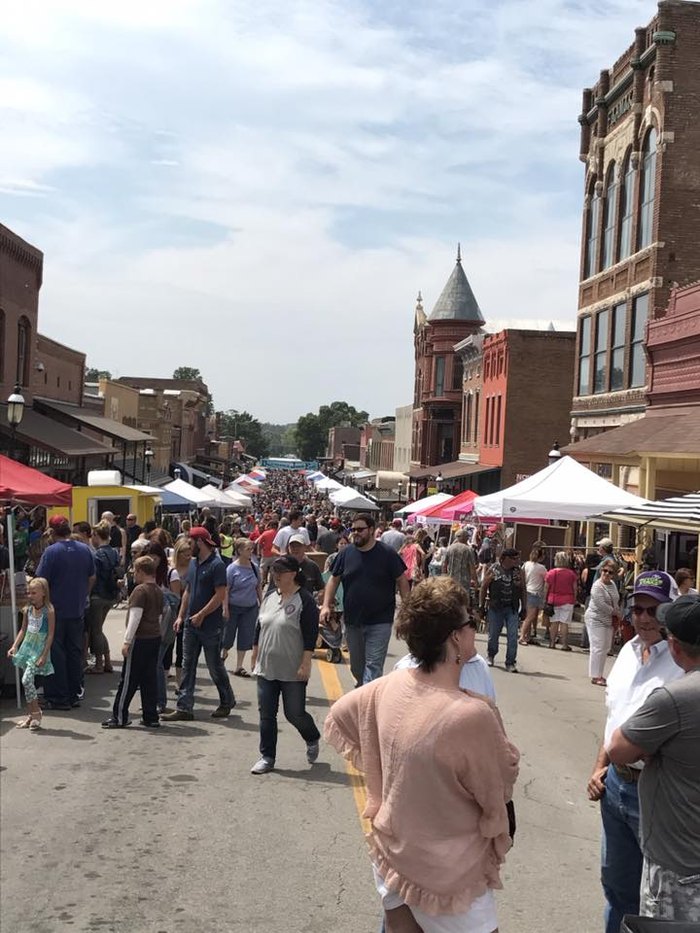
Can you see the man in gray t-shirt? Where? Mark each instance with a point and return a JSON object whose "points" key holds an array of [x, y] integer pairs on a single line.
{"points": [[665, 730]]}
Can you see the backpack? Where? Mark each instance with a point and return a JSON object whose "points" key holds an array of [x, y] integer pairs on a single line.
{"points": [[107, 574]]}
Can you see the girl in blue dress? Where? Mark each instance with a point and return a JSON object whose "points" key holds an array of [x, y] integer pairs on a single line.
{"points": [[32, 647]]}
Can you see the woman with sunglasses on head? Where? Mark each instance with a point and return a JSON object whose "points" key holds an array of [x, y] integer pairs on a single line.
{"points": [[439, 770], [601, 613]]}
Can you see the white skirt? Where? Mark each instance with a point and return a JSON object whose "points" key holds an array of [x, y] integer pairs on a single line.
{"points": [[480, 918]]}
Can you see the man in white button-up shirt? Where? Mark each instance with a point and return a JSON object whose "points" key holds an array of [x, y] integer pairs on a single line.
{"points": [[643, 664]]}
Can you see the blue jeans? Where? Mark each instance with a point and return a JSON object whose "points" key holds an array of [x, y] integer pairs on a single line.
{"points": [[210, 640], [621, 856], [63, 686], [368, 645], [497, 619], [293, 693], [161, 677]]}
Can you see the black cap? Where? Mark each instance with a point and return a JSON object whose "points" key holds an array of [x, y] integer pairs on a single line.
{"points": [[682, 619], [286, 564]]}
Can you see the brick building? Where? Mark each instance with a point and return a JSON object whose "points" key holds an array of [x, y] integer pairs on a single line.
{"points": [[525, 402], [640, 138], [47, 373], [338, 438], [437, 406]]}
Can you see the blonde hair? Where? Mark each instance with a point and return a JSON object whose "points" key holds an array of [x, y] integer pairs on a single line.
{"points": [[181, 545], [43, 584], [240, 543]]}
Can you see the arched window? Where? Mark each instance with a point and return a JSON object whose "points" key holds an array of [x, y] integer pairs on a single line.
{"points": [[24, 332], [609, 217], [647, 190], [626, 209], [592, 236]]}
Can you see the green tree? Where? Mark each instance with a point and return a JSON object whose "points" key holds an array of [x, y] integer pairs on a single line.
{"points": [[94, 375], [188, 373], [280, 438], [242, 426], [312, 429]]}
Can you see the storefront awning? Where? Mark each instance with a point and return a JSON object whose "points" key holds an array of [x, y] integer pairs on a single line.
{"points": [[89, 419], [38, 430], [451, 470]]}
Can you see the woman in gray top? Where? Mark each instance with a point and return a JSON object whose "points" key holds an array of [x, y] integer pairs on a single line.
{"points": [[283, 645]]}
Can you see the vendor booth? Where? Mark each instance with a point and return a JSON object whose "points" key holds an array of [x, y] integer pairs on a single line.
{"points": [[347, 498], [24, 486]]}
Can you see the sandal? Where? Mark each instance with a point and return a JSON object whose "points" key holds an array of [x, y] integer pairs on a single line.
{"points": [[24, 723], [599, 682], [241, 672], [35, 722], [521, 642]]}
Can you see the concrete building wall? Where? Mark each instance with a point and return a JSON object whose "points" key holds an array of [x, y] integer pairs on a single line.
{"points": [[402, 439]]}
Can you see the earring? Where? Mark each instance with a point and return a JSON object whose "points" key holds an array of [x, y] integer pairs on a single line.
{"points": [[458, 659]]}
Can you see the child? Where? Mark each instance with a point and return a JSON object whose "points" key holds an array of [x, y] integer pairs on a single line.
{"points": [[140, 649], [32, 647]]}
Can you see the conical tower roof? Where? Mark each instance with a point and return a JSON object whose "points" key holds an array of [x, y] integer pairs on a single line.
{"points": [[457, 301]]}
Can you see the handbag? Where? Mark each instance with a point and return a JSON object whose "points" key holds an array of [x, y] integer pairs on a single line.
{"points": [[548, 608]]}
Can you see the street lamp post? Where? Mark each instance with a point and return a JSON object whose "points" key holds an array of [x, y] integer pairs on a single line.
{"points": [[399, 489], [148, 460], [439, 480], [554, 454], [15, 413]]}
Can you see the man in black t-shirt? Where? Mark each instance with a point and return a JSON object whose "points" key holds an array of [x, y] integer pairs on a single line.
{"points": [[370, 572]]}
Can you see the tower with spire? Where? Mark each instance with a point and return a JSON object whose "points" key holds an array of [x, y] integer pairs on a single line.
{"points": [[438, 396]]}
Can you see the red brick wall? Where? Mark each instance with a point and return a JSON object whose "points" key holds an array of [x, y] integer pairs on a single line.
{"points": [[62, 374], [21, 268]]}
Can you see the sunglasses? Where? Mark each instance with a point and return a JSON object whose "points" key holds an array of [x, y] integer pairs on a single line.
{"points": [[641, 610], [606, 571]]}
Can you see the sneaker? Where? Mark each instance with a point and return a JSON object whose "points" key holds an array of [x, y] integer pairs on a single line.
{"points": [[312, 750], [221, 712], [511, 668], [81, 694], [149, 725], [262, 766], [179, 715], [490, 661], [113, 723]]}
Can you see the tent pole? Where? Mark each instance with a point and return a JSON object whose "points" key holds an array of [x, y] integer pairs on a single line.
{"points": [[13, 592]]}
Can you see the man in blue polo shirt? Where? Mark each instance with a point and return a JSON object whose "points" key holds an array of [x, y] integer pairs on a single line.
{"points": [[69, 568], [201, 613]]}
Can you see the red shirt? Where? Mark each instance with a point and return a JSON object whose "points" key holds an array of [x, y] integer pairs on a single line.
{"points": [[264, 542], [561, 586]]}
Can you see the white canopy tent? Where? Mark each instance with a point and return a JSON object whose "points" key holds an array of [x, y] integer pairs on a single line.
{"points": [[347, 498], [565, 491], [227, 499], [328, 485], [421, 505], [191, 493]]}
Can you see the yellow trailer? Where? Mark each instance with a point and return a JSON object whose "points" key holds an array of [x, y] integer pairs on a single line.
{"points": [[89, 502]]}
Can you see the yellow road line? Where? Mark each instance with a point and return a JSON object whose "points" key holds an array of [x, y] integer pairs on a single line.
{"points": [[334, 690]]}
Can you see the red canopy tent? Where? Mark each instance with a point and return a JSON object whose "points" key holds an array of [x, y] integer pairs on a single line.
{"points": [[24, 485], [451, 511], [20, 483]]}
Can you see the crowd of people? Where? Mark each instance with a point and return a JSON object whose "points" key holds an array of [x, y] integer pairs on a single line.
{"points": [[269, 583]]}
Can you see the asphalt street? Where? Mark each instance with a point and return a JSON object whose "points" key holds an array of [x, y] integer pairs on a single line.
{"points": [[160, 831]]}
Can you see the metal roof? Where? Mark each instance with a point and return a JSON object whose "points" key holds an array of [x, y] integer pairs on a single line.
{"points": [[457, 301], [99, 423], [41, 431]]}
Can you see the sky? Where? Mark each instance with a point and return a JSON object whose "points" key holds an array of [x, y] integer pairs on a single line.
{"points": [[259, 188]]}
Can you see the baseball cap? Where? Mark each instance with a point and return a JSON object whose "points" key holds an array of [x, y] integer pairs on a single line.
{"points": [[286, 564], [139, 544], [296, 539], [56, 521], [682, 618], [335, 523], [201, 534], [605, 542], [654, 583]]}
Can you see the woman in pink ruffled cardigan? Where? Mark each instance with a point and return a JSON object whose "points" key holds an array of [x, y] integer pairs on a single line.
{"points": [[439, 771]]}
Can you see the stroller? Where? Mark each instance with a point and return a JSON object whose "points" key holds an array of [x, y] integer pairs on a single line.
{"points": [[332, 638]]}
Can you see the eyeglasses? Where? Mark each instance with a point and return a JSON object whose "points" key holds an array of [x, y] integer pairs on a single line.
{"points": [[606, 571], [641, 610], [361, 528]]}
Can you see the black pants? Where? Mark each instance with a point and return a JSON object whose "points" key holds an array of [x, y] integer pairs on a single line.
{"points": [[139, 672]]}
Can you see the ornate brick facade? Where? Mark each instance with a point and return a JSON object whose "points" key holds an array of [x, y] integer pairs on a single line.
{"points": [[640, 138]]}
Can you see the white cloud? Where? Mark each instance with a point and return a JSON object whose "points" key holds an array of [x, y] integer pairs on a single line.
{"points": [[259, 189]]}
